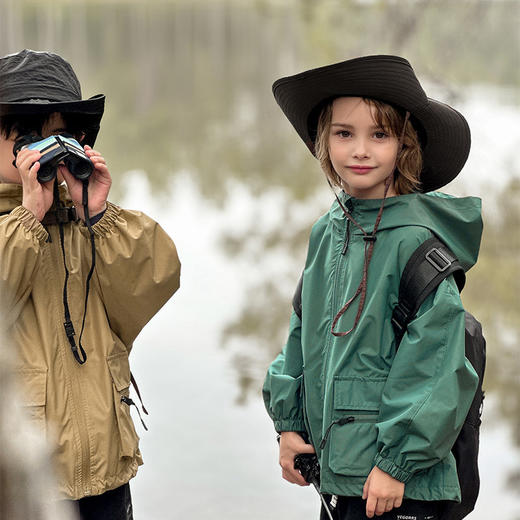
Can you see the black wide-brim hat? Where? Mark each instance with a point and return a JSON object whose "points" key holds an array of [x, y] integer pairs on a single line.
{"points": [[444, 133], [34, 82]]}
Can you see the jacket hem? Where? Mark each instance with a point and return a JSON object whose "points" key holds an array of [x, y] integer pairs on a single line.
{"points": [[100, 486], [353, 487]]}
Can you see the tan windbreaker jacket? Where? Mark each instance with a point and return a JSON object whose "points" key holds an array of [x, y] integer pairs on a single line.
{"points": [[79, 406]]}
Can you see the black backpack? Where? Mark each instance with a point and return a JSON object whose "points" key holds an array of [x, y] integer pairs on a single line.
{"points": [[431, 263]]}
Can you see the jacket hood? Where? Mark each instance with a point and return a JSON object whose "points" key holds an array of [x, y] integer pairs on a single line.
{"points": [[456, 221], [11, 196]]}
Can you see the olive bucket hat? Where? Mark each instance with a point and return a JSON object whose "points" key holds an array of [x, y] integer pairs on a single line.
{"points": [[34, 82], [443, 132]]}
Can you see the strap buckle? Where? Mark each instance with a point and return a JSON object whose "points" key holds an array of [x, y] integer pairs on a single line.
{"points": [[440, 261], [400, 318], [65, 215]]}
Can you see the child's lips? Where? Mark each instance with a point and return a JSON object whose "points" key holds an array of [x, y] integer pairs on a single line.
{"points": [[360, 169]]}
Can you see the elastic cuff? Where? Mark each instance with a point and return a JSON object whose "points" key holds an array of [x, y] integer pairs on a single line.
{"points": [[106, 223], [289, 425], [31, 223], [96, 218], [392, 469]]}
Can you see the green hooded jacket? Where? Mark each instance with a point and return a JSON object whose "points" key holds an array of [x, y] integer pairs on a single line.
{"points": [[409, 406]]}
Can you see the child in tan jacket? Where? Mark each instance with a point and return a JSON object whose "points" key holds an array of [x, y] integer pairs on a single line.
{"points": [[79, 279]]}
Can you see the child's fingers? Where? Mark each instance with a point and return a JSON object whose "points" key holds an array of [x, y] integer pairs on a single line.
{"points": [[97, 159], [32, 174], [100, 165], [33, 170], [91, 153], [389, 505], [382, 506], [306, 448], [26, 158], [371, 506], [292, 475]]}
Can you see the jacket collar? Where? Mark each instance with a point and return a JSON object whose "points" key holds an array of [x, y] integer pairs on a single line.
{"points": [[11, 196]]}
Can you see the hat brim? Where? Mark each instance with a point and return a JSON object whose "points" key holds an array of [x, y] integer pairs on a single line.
{"points": [[93, 108], [445, 134]]}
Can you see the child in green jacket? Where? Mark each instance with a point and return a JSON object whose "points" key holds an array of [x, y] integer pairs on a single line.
{"points": [[382, 421]]}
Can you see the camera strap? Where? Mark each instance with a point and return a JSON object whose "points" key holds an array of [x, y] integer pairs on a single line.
{"points": [[77, 350]]}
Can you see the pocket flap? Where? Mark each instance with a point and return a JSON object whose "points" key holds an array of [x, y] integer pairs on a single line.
{"points": [[358, 393], [120, 370], [33, 382]]}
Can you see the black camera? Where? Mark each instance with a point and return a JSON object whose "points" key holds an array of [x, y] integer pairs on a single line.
{"points": [[56, 149], [309, 467]]}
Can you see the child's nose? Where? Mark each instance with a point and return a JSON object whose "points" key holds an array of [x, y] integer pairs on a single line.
{"points": [[360, 149]]}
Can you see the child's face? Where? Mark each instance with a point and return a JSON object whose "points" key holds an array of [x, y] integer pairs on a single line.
{"points": [[361, 152], [9, 173]]}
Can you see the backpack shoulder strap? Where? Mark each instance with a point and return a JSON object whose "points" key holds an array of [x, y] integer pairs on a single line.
{"points": [[429, 264]]}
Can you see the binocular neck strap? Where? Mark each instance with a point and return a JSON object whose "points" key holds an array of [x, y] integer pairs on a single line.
{"points": [[77, 350]]}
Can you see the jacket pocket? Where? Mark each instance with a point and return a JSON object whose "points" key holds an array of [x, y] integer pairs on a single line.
{"points": [[353, 432], [33, 383], [120, 371]]}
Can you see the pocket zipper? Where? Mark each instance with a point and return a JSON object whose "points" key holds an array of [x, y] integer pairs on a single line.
{"points": [[346, 420], [127, 400]]}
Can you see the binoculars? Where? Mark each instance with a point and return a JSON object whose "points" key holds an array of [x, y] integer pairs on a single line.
{"points": [[56, 149]]}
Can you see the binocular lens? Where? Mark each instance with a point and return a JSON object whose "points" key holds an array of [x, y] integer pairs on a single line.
{"points": [[79, 168], [46, 173]]}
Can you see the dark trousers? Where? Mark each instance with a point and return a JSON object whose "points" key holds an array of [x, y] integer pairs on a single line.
{"points": [[115, 504], [353, 508]]}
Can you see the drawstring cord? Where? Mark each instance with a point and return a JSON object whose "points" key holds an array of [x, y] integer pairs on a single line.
{"points": [[370, 240]]}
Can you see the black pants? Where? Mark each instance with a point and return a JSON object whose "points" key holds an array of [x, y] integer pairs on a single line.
{"points": [[111, 505], [353, 508]]}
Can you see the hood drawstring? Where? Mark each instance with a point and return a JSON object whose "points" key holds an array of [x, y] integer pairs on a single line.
{"points": [[370, 240]]}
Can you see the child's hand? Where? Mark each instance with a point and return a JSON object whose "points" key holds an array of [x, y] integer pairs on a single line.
{"points": [[292, 444], [37, 197], [98, 186], [382, 492]]}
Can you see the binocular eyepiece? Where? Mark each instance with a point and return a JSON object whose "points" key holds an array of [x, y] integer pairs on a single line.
{"points": [[56, 149]]}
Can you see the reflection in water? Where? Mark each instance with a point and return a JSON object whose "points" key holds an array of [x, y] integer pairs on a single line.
{"points": [[188, 83], [188, 88]]}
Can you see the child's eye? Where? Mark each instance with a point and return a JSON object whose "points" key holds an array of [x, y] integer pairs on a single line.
{"points": [[343, 133], [380, 134]]}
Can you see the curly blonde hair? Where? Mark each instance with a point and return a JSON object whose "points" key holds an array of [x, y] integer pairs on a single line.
{"points": [[409, 160]]}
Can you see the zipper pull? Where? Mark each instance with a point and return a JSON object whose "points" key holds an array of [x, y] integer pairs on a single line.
{"points": [[127, 400], [341, 422]]}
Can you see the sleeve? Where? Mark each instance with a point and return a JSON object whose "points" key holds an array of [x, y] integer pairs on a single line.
{"points": [[137, 268], [283, 383], [429, 389], [21, 240]]}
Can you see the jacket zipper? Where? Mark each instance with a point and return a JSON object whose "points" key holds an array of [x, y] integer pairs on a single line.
{"points": [[363, 418], [337, 276], [82, 466]]}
